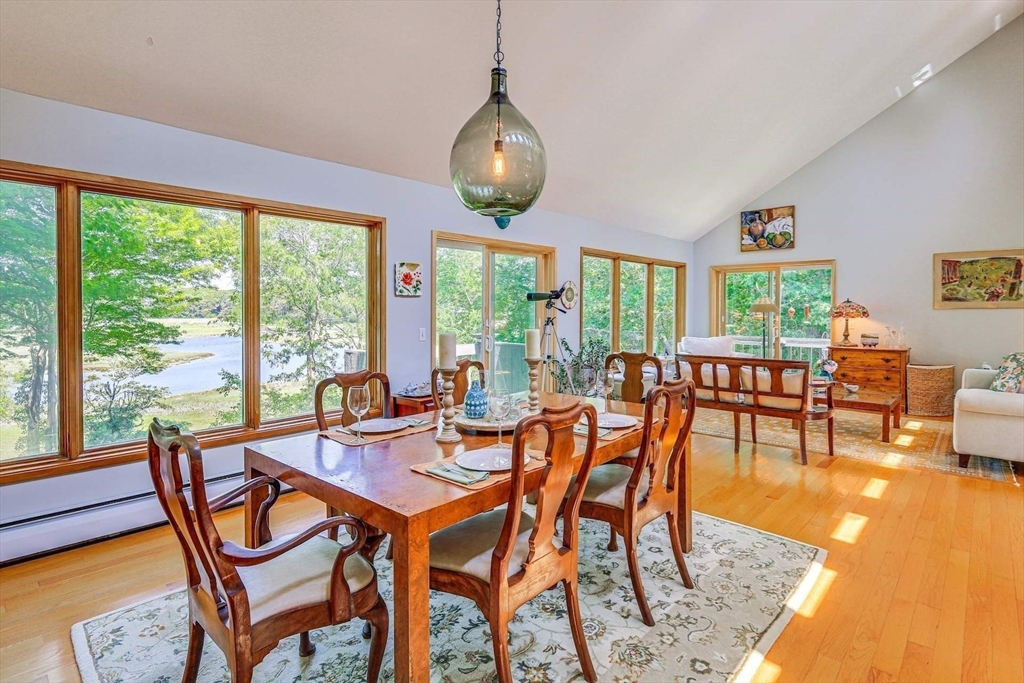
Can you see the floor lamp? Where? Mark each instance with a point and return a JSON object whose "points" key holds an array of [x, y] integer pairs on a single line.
{"points": [[764, 306]]}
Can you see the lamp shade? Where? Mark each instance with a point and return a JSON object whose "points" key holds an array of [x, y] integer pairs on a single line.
{"points": [[849, 309], [764, 305], [498, 164]]}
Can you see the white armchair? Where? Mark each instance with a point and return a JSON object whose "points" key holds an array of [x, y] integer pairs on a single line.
{"points": [[986, 422]]}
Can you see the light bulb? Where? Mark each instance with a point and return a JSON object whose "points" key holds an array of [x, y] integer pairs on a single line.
{"points": [[498, 163]]}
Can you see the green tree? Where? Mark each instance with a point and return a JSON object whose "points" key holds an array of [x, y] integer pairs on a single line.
{"points": [[597, 299], [632, 306]]}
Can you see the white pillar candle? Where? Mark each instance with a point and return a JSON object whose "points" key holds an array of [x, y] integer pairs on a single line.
{"points": [[446, 345], [533, 343]]}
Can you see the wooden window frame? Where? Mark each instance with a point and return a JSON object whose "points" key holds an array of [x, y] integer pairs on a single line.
{"points": [[617, 259], [72, 455], [716, 290], [547, 272]]}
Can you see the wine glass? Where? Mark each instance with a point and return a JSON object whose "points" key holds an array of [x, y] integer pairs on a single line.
{"points": [[359, 405], [607, 384], [499, 405]]}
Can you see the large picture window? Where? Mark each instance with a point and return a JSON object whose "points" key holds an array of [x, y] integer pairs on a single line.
{"points": [[632, 303], [123, 301]]}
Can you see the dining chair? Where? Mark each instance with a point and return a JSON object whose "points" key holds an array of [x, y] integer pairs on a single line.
{"points": [[248, 600], [630, 498], [461, 381], [346, 381], [632, 388], [503, 558]]}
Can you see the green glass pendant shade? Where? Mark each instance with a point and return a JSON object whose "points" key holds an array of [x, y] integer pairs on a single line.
{"points": [[498, 164]]}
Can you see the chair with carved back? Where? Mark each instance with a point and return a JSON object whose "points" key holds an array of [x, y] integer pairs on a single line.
{"points": [[461, 381], [630, 498], [248, 600], [345, 381], [632, 389], [503, 558]]}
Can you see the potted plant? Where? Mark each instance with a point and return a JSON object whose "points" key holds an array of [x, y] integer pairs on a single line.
{"points": [[591, 354]]}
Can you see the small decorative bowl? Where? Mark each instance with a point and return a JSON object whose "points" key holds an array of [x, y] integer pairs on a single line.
{"points": [[852, 388]]}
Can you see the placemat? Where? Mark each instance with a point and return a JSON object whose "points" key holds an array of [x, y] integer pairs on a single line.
{"points": [[350, 439], [615, 434], [495, 477]]}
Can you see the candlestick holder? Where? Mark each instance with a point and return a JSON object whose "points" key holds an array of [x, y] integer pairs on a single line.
{"points": [[448, 434], [534, 364]]}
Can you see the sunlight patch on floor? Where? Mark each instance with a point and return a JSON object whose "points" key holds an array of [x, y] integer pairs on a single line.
{"points": [[904, 440], [874, 488], [892, 459], [757, 669], [811, 591], [849, 528], [913, 424]]}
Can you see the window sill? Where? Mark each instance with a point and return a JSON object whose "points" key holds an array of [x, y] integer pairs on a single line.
{"points": [[29, 469]]}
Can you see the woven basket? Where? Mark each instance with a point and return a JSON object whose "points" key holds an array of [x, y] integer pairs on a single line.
{"points": [[930, 390]]}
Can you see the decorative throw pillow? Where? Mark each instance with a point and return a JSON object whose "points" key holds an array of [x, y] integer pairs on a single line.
{"points": [[1010, 377], [708, 346]]}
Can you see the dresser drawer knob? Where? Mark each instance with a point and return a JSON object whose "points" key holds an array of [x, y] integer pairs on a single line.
{"points": [[842, 357], [887, 360], [887, 378]]}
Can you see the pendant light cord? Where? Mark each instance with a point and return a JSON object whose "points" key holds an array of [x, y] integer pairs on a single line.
{"points": [[498, 54]]}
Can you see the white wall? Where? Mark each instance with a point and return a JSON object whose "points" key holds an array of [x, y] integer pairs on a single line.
{"points": [[49, 133], [940, 170]]}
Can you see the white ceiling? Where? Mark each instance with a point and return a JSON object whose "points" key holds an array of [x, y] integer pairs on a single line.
{"points": [[661, 116]]}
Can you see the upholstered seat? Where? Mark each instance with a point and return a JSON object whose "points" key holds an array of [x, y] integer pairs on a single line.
{"points": [[607, 485], [299, 578], [467, 547]]}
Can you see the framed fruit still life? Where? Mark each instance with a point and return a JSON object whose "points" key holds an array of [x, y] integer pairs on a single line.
{"points": [[767, 229]]}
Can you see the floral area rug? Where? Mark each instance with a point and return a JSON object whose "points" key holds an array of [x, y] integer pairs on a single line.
{"points": [[747, 585], [923, 443]]}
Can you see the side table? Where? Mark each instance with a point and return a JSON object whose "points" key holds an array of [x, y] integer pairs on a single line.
{"points": [[401, 406]]}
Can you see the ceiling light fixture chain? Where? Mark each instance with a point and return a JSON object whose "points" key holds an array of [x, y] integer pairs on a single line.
{"points": [[498, 54]]}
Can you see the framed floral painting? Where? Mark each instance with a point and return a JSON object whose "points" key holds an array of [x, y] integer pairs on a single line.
{"points": [[767, 229], [408, 279]]}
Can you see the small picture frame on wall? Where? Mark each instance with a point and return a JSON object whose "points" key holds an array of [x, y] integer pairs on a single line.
{"points": [[978, 279], [768, 229], [408, 279]]}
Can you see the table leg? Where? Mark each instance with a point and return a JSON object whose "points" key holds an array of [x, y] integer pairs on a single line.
{"points": [[886, 420], [685, 506], [897, 415], [253, 500], [412, 602]]}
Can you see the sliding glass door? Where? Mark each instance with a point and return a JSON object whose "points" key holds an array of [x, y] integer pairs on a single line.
{"points": [[796, 325], [480, 289]]}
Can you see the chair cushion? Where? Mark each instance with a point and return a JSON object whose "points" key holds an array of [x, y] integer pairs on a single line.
{"points": [[299, 578], [686, 372], [990, 402], [467, 547], [607, 485], [707, 346], [1010, 377], [792, 383]]}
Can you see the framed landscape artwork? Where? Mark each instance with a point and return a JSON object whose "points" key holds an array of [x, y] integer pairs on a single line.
{"points": [[767, 229], [979, 279]]}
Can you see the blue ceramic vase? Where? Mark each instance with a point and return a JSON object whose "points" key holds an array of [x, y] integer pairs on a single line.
{"points": [[475, 405]]}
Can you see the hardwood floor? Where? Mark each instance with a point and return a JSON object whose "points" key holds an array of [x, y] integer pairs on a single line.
{"points": [[924, 579]]}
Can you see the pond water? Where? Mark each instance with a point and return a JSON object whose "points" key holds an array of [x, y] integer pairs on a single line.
{"points": [[203, 374]]}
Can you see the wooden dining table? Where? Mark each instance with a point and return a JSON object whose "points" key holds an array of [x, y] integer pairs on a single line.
{"points": [[374, 482]]}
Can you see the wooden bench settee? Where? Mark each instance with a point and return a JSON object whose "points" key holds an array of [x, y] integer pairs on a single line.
{"points": [[782, 389]]}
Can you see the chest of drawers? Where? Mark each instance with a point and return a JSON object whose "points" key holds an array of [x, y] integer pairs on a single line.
{"points": [[874, 369]]}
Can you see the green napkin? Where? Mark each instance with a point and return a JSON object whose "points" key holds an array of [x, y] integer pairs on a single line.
{"points": [[601, 431], [457, 474]]}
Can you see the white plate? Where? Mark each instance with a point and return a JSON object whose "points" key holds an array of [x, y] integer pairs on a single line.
{"points": [[487, 460], [381, 425], [615, 421]]}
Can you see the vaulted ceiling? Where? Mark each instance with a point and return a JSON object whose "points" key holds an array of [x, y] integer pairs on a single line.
{"points": [[661, 116]]}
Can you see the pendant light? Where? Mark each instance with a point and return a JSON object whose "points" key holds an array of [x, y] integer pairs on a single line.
{"points": [[498, 162]]}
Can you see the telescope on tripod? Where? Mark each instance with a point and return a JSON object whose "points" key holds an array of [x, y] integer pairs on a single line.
{"points": [[551, 345]]}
